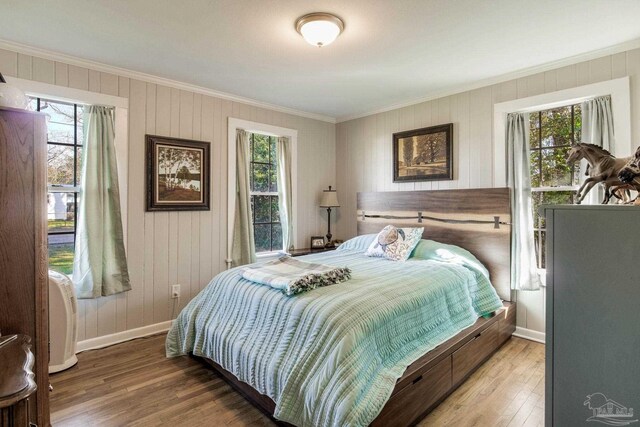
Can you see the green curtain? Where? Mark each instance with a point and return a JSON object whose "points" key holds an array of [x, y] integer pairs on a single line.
{"points": [[597, 128], [100, 264], [285, 202], [243, 249], [524, 272]]}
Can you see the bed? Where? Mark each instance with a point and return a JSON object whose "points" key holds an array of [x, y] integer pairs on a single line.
{"points": [[382, 348]]}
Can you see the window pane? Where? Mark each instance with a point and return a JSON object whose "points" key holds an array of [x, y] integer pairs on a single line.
{"points": [[59, 165], [60, 212], [535, 168], [260, 148], [80, 112], [556, 127], [275, 211], [262, 206], [536, 201], [260, 178], [276, 237], [558, 197], [577, 123], [576, 174], [60, 125], [555, 170], [61, 253], [251, 180], [273, 179], [273, 143], [543, 252], [78, 165], [540, 246], [262, 236], [536, 245], [534, 130]]}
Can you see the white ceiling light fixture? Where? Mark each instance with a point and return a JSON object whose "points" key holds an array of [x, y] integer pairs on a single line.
{"points": [[319, 29]]}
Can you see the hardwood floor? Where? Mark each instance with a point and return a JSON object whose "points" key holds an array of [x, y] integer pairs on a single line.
{"points": [[133, 384]]}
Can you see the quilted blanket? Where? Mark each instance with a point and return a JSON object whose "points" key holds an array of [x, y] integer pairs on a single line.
{"points": [[293, 276], [331, 356]]}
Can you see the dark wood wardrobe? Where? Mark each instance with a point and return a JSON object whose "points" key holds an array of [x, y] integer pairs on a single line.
{"points": [[23, 241]]}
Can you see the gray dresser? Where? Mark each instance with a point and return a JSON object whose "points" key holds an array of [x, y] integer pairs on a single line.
{"points": [[593, 315]]}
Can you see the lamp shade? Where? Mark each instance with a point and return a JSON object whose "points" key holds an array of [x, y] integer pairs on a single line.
{"points": [[329, 199]]}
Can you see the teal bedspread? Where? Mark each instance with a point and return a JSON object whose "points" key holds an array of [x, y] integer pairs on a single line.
{"points": [[331, 356]]}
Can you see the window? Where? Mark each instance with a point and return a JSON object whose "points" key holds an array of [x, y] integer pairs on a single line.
{"points": [[64, 154], [553, 181], [264, 194]]}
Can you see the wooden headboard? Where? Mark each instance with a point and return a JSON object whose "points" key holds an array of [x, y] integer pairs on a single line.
{"points": [[478, 220]]}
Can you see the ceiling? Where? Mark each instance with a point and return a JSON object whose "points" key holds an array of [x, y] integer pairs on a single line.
{"points": [[391, 51]]}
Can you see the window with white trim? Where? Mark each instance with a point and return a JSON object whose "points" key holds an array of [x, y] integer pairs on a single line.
{"points": [[553, 180], [64, 155], [264, 194]]}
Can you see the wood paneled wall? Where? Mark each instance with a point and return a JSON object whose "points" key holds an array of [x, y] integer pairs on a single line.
{"points": [[180, 247], [364, 156]]}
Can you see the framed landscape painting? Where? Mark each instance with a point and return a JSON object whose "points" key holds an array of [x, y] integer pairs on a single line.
{"points": [[178, 174], [423, 154]]}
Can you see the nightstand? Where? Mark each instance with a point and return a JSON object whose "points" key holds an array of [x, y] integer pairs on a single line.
{"points": [[309, 251], [17, 383]]}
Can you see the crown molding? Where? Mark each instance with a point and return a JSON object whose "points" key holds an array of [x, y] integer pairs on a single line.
{"points": [[137, 75], [525, 72], [98, 66]]}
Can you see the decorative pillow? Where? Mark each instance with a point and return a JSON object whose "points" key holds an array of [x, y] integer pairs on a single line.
{"points": [[358, 243], [395, 243]]}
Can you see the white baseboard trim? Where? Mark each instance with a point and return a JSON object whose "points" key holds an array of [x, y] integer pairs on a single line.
{"points": [[107, 340], [529, 334]]}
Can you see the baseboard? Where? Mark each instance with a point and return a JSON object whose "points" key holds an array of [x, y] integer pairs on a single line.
{"points": [[107, 340], [529, 334]]}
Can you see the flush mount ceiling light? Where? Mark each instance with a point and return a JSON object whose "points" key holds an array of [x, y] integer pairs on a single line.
{"points": [[319, 29]]}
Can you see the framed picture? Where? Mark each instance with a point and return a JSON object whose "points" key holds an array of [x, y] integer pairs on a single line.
{"points": [[178, 174], [317, 242], [423, 154]]}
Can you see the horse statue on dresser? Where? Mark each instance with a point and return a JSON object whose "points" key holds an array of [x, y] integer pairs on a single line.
{"points": [[603, 168], [630, 173]]}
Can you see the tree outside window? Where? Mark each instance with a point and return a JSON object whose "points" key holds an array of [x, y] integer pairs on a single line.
{"points": [[553, 180], [264, 194]]}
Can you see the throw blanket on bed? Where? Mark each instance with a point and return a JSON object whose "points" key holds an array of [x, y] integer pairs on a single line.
{"points": [[331, 356], [293, 276]]}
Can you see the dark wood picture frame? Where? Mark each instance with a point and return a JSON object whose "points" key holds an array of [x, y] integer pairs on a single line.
{"points": [[427, 170], [153, 174], [315, 239]]}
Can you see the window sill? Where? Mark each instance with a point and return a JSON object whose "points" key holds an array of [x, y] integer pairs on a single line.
{"points": [[267, 255]]}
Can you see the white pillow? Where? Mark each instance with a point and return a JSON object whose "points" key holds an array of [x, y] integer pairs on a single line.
{"points": [[395, 243]]}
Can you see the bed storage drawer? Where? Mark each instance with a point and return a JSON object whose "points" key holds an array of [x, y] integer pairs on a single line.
{"points": [[410, 403], [467, 357]]}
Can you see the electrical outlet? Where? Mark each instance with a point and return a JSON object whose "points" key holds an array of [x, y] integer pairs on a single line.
{"points": [[175, 291]]}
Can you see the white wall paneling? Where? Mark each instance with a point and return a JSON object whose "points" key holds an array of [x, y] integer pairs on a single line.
{"points": [[187, 247], [355, 155], [364, 145]]}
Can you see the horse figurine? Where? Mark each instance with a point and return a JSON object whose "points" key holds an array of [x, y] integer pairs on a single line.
{"points": [[631, 169], [603, 168], [630, 173]]}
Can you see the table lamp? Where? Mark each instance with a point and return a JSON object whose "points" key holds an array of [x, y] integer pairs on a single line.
{"points": [[329, 200]]}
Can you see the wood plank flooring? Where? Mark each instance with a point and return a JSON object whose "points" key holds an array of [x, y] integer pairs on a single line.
{"points": [[133, 384]]}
